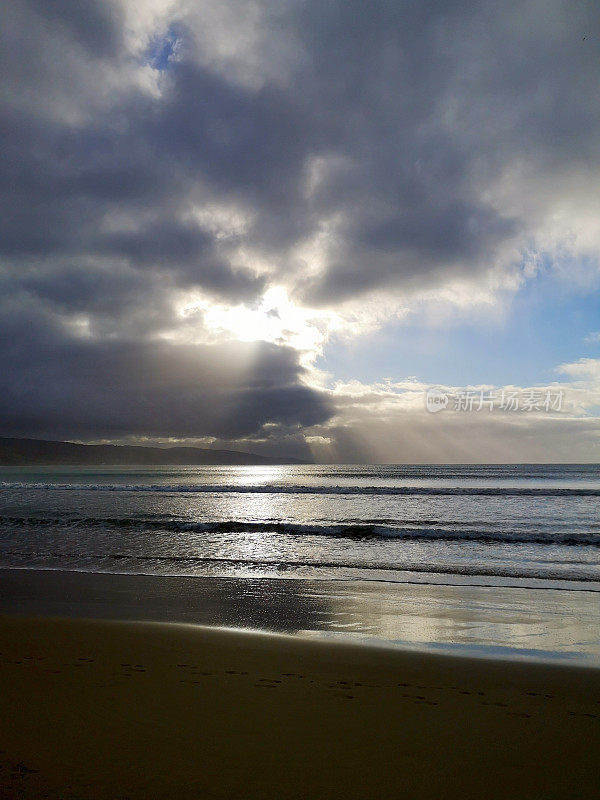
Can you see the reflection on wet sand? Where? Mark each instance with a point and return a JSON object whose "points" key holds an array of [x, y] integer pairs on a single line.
{"points": [[550, 621]]}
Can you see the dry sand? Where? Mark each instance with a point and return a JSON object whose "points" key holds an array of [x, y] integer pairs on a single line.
{"points": [[93, 709]]}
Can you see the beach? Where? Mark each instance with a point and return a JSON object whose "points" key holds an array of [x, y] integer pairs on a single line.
{"points": [[300, 632], [514, 621], [299, 400], [107, 709]]}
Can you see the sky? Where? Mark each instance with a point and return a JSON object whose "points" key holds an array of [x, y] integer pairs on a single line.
{"points": [[284, 227]]}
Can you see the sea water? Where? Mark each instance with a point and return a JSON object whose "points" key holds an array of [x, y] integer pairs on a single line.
{"points": [[515, 525]]}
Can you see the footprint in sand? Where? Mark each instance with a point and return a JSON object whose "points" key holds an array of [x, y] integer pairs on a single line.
{"points": [[23, 769]]}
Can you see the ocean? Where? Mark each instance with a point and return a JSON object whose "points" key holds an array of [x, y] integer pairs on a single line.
{"points": [[514, 525]]}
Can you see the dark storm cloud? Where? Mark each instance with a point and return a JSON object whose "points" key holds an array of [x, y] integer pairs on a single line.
{"points": [[60, 186], [424, 237], [437, 99], [414, 111], [96, 26], [244, 144], [420, 106], [53, 384], [185, 251], [393, 119]]}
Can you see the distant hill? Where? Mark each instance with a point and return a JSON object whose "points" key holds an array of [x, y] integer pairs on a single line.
{"points": [[38, 451]]}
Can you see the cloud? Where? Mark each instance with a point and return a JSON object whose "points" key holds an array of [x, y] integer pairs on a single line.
{"points": [[356, 156], [389, 422], [394, 127], [97, 27], [56, 384]]}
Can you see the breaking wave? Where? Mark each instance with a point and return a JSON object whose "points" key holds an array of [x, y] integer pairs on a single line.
{"points": [[351, 530]]}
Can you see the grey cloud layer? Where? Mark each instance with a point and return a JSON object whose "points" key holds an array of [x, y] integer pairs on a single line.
{"points": [[53, 385], [390, 122]]}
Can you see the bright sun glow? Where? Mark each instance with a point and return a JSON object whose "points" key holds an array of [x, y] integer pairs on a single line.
{"points": [[275, 319]]}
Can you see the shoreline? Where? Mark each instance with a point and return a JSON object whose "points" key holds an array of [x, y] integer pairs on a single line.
{"points": [[505, 622], [105, 709], [411, 577]]}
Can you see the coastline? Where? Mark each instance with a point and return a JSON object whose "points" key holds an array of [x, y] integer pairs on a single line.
{"points": [[105, 709], [500, 621]]}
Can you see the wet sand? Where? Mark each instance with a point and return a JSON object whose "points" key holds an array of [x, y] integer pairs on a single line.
{"points": [[97, 709], [520, 621]]}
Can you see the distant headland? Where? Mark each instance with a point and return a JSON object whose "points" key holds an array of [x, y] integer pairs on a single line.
{"points": [[24, 452]]}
